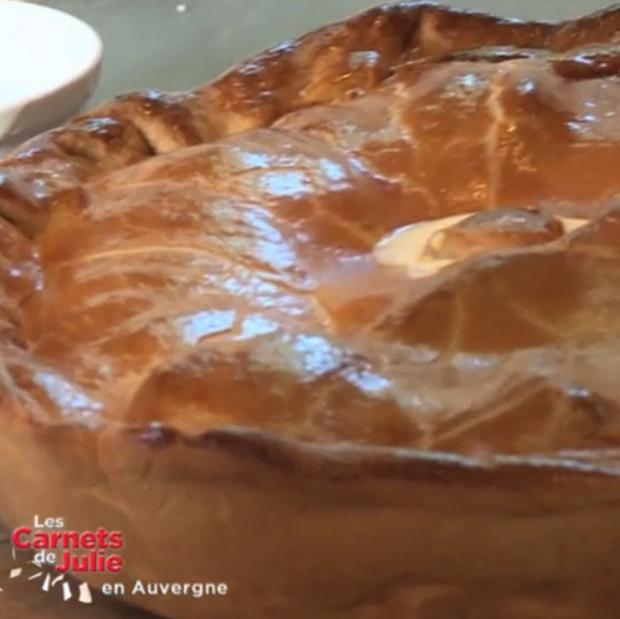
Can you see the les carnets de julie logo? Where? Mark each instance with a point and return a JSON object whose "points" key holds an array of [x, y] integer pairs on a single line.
{"points": [[58, 553], [85, 551]]}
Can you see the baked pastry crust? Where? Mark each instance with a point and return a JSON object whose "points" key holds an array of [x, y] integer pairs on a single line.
{"points": [[202, 351]]}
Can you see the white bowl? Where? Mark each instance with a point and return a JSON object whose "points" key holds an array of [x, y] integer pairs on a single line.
{"points": [[49, 66]]}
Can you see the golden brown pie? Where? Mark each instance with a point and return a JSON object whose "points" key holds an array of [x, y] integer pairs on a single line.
{"points": [[223, 334]]}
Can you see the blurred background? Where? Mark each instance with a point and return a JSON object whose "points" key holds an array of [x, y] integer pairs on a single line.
{"points": [[174, 45]]}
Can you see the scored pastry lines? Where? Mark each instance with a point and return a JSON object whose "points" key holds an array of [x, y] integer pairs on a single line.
{"points": [[456, 328], [356, 232], [217, 254], [406, 97], [535, 320], [22, 396], [498, 118], [482, 415], [143, 249]]}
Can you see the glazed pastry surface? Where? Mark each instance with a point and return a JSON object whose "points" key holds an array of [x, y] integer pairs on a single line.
{"points": [[200, 273]]}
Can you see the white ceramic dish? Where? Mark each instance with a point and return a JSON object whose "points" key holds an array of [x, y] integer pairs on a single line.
{"points": [[49, 66]]}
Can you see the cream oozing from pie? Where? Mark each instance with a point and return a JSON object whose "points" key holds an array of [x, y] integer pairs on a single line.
{"points": [[418, 247]]}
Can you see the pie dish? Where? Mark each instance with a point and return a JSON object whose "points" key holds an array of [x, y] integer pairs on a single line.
{"points": [[61, 57], [216, 339]]}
